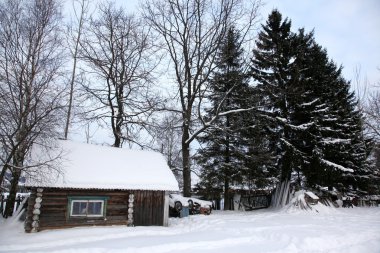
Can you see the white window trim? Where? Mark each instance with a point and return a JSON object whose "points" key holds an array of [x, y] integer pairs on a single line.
{"points": [[87, 201]]}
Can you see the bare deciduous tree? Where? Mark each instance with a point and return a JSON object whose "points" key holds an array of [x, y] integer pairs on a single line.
{"points": [[118, 50], [372, 115], [30, 94], [192, 31], [167, 140], [74, 35], [368, 103]]}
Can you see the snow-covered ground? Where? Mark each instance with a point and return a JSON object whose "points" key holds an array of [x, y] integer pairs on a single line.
{"points": [[330, 230]]}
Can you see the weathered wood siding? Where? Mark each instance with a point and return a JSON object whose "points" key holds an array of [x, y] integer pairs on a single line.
{"points": [[148, 208]]}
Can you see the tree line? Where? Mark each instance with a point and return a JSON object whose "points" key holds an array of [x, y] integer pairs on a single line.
{"points": [[176, 75], [305, 125]]}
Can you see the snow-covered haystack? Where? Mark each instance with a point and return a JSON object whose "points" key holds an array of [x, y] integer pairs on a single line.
{"points": [[308, 201]]}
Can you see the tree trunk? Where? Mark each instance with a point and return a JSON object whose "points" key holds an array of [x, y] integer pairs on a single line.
{"points": [[12, 193], [117, 142], [117, 131], [227, 198], [227, 158], [2, 174], [186, 162], [286, 160], [18, 163], [75, 57], [68, 116]]}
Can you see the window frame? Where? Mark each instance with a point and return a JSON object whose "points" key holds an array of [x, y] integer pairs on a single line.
{"points": [[87, 199]]}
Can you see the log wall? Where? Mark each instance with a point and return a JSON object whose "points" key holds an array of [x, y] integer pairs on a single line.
{"points": [[148, 208]]}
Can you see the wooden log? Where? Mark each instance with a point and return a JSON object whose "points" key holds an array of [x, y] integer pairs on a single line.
{"points": [[35, 224], [130, 209]]}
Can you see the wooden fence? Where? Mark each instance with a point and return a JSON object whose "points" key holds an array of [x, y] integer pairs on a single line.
{"points": [[3, 202], [252, 202]]}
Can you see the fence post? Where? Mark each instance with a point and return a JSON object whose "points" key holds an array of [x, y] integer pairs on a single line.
{"points": [[2, 199], [18, 201]]}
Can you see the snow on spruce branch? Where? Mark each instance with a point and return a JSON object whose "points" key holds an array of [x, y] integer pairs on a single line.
{"points": [[209, 123], [336, 141], [336, 166], [309, 103]]}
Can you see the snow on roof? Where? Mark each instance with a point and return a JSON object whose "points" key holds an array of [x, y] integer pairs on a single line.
{"points": [[88, 166], [312, 195]]}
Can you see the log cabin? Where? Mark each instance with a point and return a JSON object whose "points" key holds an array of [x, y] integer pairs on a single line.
{"points": [[101, 185]]}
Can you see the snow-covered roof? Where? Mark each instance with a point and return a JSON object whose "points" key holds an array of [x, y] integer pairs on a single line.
{"points": [[88, 166]]}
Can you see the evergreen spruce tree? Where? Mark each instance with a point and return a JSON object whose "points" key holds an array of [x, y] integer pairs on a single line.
{"points": [[272, 72], [312, 76], [222, 153], [334, 147], [312, 113], [259, 170], [341, 142]]}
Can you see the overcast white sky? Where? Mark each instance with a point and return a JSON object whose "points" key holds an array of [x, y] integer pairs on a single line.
{"points": [[348, 29]]}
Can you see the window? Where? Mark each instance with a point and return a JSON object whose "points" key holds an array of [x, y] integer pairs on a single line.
{"points": [[87, 207]]}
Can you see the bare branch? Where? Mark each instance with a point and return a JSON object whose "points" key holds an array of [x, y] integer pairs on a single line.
{"points": [[30, 82], [192, 31], [119, 52]]}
